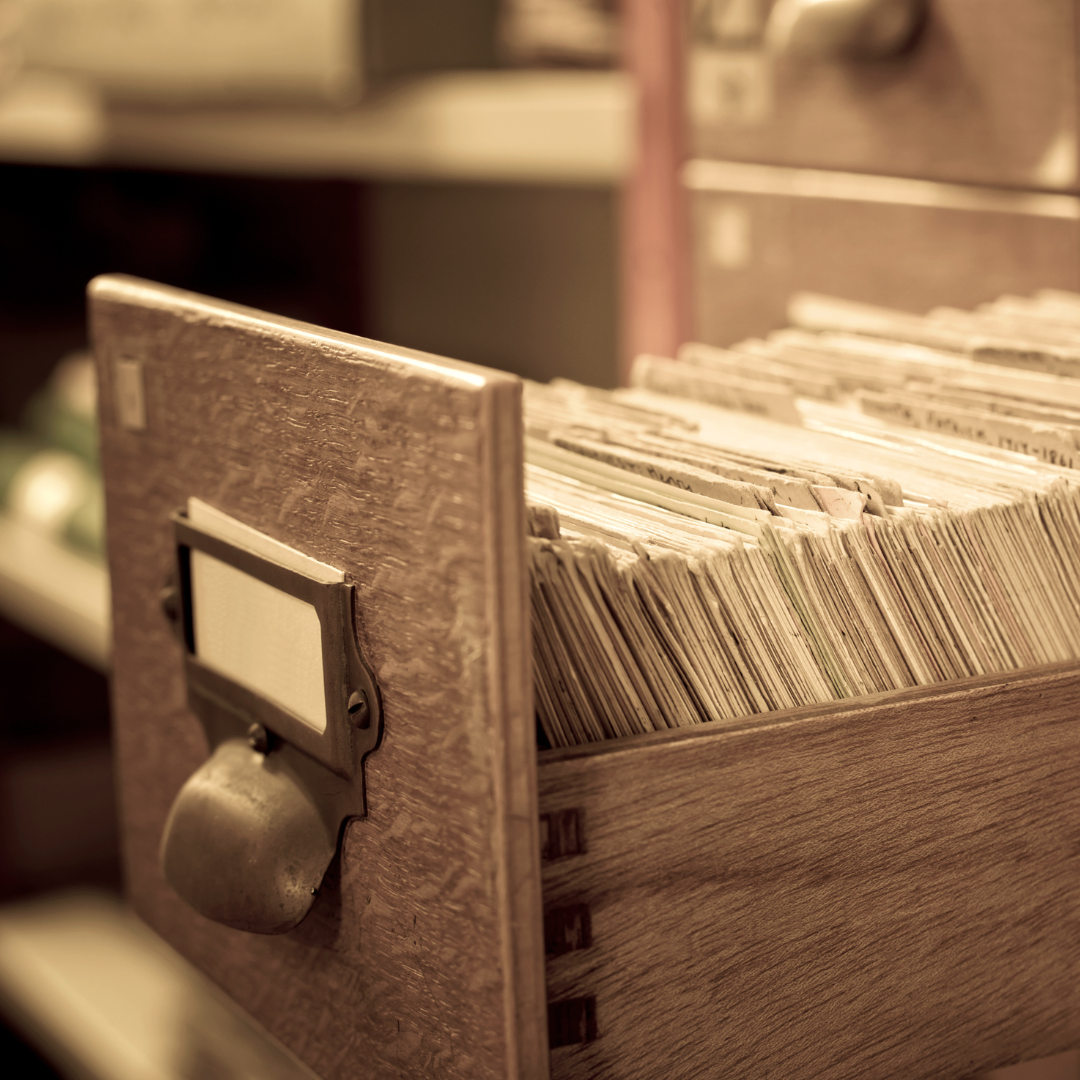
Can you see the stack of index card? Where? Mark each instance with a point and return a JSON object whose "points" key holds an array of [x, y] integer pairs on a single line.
{"points": [[866, 501]]}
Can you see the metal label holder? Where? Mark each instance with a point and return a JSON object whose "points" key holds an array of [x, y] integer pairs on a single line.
{"points": [[252, 831]]}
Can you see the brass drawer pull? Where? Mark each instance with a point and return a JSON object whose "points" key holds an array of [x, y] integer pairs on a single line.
{"points": [[844, 29]]}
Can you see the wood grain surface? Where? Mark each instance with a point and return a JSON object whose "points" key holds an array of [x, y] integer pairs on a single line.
{"points": [[887, 889], [902, 256], [987, 96], [423, 954]]}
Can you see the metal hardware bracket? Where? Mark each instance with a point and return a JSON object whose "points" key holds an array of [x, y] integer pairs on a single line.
{"points": [[253, 830]]}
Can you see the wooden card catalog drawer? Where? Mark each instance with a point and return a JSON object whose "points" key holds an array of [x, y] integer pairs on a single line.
{"points": [[400, 474], [986, 94], [879, 889]]}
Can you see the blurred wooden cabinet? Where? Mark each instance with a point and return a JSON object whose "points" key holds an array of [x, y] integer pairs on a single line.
{"points": [[945, 174], [986, 94], [752, 249]]}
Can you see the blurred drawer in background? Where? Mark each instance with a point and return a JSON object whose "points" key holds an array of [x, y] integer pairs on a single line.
{"points": [[761, 233], [986, 94]]}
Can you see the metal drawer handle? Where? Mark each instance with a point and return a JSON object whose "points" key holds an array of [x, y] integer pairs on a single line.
{"points": [[844, 29]]}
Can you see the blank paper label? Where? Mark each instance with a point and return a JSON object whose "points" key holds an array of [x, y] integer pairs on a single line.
{"points": [[258, 636]]}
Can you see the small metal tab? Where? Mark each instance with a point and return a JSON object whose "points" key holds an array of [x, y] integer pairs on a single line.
{"points": [[252, 831]]}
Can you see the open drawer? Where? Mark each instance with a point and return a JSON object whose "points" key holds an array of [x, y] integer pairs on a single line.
{"points": [[884, 888]]}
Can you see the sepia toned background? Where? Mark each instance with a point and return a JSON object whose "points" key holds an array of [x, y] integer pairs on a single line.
{"points": [[541, 186]]}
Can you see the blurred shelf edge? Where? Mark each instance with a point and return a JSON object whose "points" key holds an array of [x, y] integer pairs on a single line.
{"points": [[55, 592], [101, 996], [52, 120], [558, 126]]}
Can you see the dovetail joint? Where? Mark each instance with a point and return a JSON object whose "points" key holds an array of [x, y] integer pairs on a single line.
{"points": [[567, 929], [571, 1022], [561, 833]]}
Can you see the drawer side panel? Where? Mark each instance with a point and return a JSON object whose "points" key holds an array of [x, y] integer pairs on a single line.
{"points": [[884, 890]]}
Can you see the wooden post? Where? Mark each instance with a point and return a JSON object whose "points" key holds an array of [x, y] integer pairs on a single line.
{"points": [[655, 288]]}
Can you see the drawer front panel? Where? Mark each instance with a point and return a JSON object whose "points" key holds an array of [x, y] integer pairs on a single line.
{"points": [[986, 95], [422, 954], [752, 251], [883, 890]]}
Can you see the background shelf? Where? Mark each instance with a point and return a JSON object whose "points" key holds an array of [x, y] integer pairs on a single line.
{"points": [[56, 593], [563, 127], [105, 999]]}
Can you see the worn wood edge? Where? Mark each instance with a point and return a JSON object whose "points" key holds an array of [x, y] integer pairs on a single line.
{"points": [[976, 688], [126, 289], [518, 822]]}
